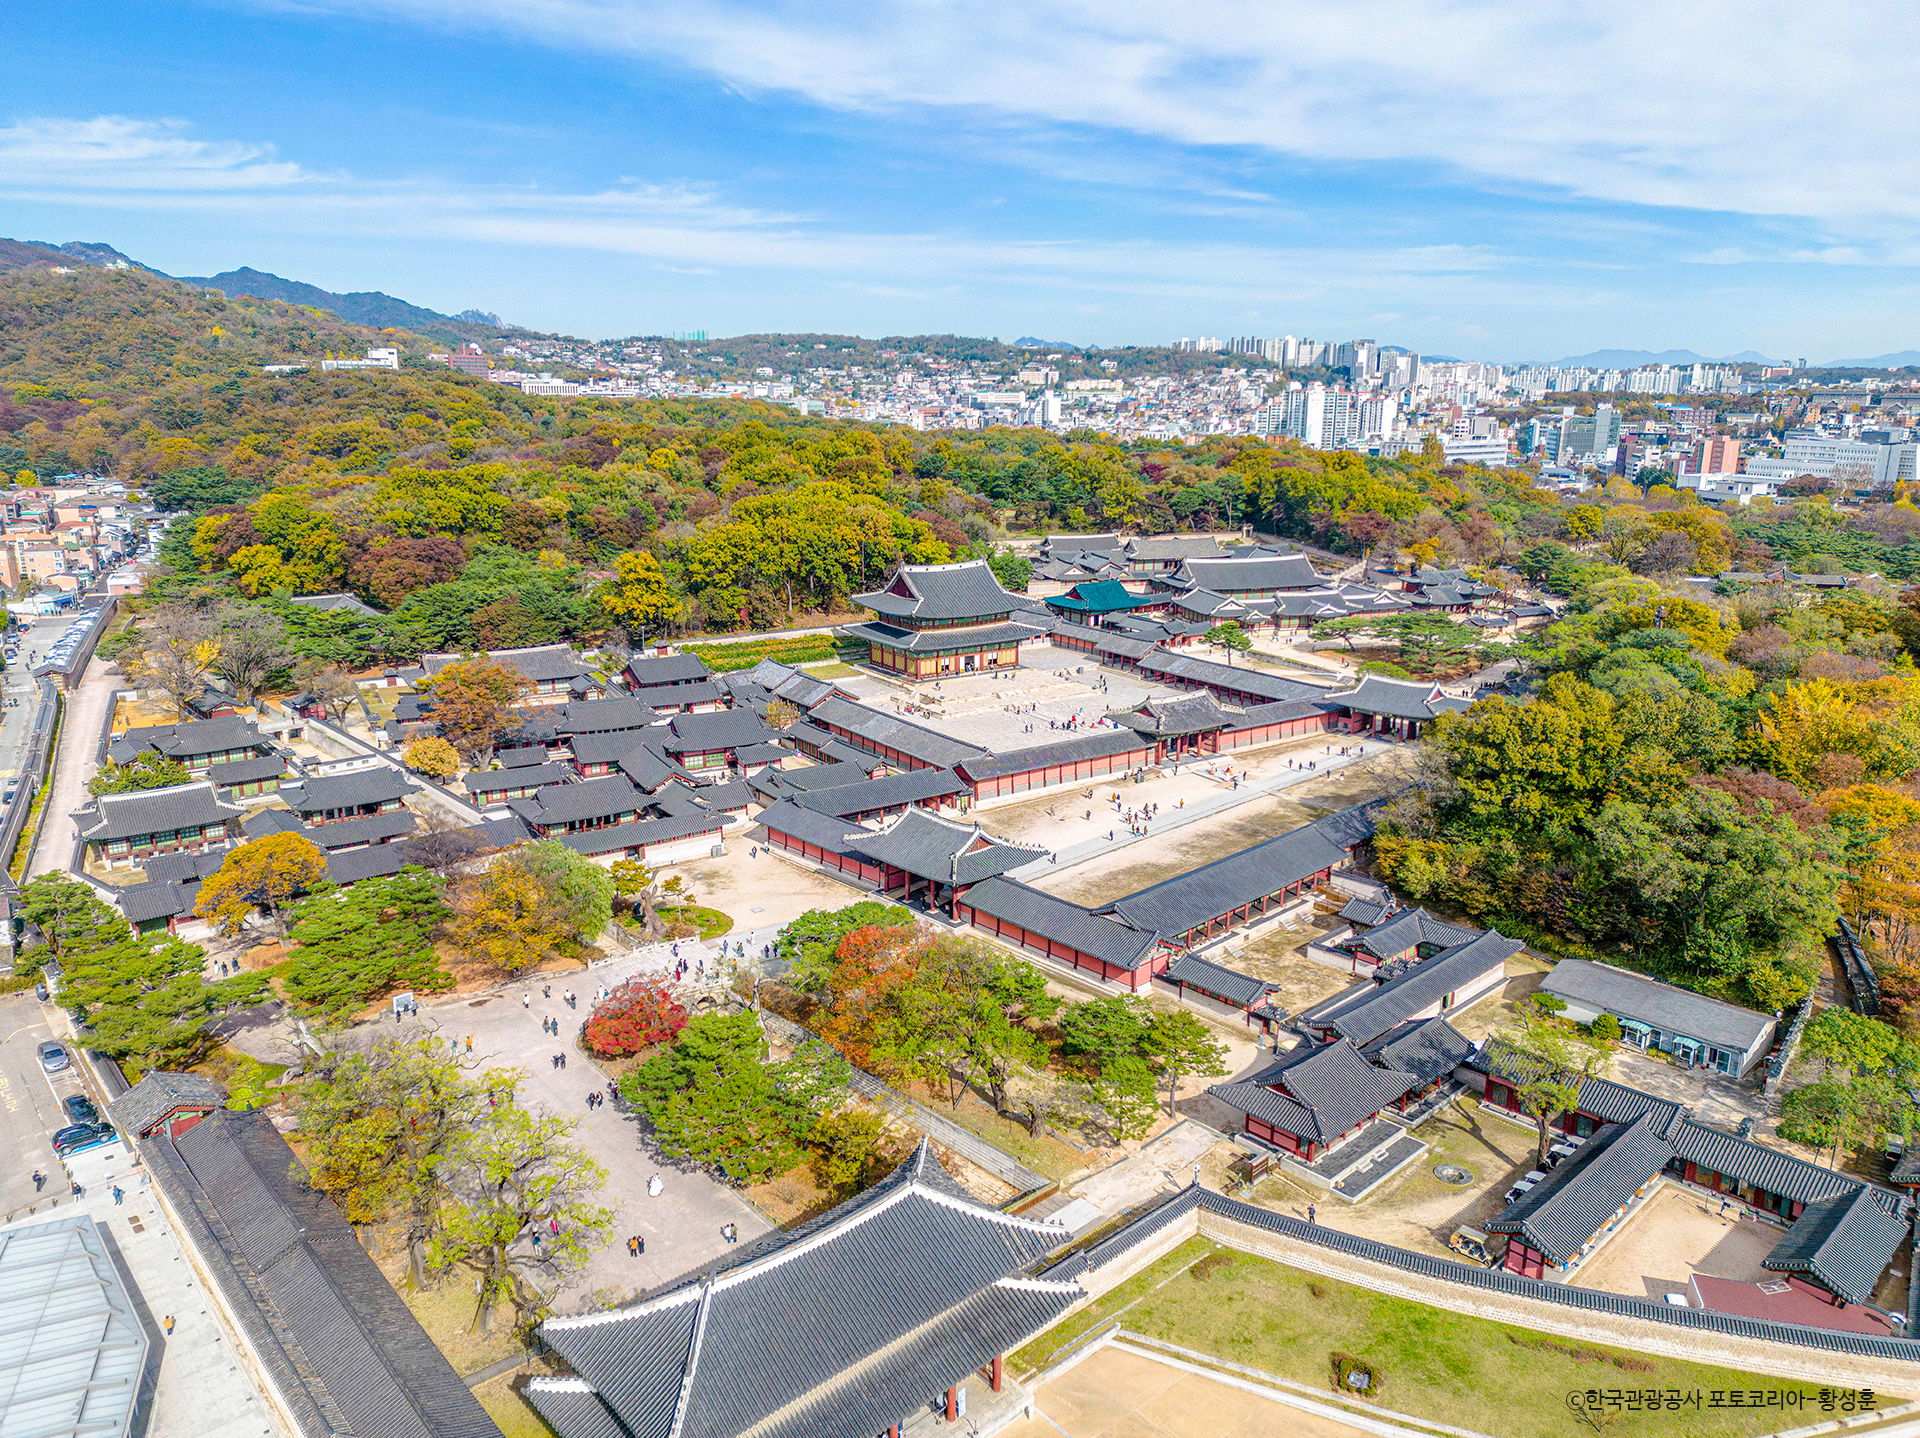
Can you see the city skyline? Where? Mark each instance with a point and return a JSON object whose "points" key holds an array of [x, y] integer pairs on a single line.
{"points": [[1095, 177]]}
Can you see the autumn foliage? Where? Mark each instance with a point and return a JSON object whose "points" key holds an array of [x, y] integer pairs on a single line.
{"points": [[635, 1017]]}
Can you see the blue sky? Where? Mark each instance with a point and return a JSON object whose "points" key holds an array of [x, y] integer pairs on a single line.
{"points": [[1497, 180]]}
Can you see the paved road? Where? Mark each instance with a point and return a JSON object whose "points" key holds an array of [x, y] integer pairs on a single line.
{"points": [[30, 1106], [73, 766], [682, 1225]]}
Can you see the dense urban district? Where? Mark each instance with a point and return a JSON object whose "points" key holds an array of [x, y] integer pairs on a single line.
{"points": [[1206, 889]]}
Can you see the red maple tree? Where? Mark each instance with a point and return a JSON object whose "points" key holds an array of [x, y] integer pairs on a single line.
{"points": [[633, 1018]]}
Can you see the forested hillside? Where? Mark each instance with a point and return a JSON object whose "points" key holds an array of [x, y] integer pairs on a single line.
{"points": [[1704, 776]]}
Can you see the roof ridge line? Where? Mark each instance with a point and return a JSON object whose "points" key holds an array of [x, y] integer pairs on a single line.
{"points": [[694, 1346]]}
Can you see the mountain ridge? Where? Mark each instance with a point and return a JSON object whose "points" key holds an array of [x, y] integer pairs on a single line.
{"points": [[374, 309]]}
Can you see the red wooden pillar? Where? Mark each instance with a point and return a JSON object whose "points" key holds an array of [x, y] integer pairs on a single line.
{"points": [[999, 1370], [953, 1403]]}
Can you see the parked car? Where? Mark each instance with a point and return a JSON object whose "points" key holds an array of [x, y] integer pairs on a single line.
{"points": [[53, 1058], [81, 1136], [80, 1108], [1473, 1245]]}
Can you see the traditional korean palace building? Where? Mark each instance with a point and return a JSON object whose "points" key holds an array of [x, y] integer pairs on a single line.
{"points": [[197, 746], [1394, 708], [1843, 1230], [124, 829], [935, 619], [1259, 574], [1092, 602], [1313, 1097], [938, 858], [1698, 1031], [1131, 940], [554, 671], [845, 1327]]}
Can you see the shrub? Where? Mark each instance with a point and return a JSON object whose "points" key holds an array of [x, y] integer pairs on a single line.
{"points": [[1606, 1026], [725, 658], [637, 1016], [1213, 1263], [1355, 1377], [1549, 1003]]}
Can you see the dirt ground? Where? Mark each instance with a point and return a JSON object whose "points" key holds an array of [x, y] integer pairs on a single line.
{"points": [[1676, 1234], [764, 890], [1416, 1210], [1278, 955], [1115, 1394], [1136, 866]]}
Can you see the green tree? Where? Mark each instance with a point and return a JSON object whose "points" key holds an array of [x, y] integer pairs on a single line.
{"points": [[520, 1208], [68, 913], [380, 1125], [713, 1097], [1549, 1063], [1179, 1044], [1108, 1038], [807, 944], [1844, 1039], [1230, 637], [580, 892], [150, 770], [1014, 571], [148, 1001], [372, 938]]}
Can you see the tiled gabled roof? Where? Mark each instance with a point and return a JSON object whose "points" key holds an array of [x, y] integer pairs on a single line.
{"points": [[1110, 939], [1429, 1049], [744, 1348], [936, 848], [967, 590], [155, 811], [1219, 980], [1331, 1088], [1845, 1241], [1563, 1211], [909, 786]]}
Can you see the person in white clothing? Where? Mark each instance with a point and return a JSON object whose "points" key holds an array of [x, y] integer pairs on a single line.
{"points": [[655, 1187]]}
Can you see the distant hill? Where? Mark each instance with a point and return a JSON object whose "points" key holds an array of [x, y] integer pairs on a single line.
{"points": [[1633, 359], [1898, 360], [25, 254], [365, 307], [361, 307]]}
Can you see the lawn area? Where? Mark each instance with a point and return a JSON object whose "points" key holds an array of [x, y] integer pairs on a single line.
{"points": [[514, 1415], [1047, 1155], [1037, 1354], [1434, 1364], [691, 920]]}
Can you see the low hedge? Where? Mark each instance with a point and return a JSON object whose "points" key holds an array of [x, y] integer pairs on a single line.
{"points": [[724, 658]]}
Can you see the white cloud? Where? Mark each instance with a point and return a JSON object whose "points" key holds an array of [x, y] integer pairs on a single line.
{"points": [[111, 152], [1769, 108], [113, 163]]}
